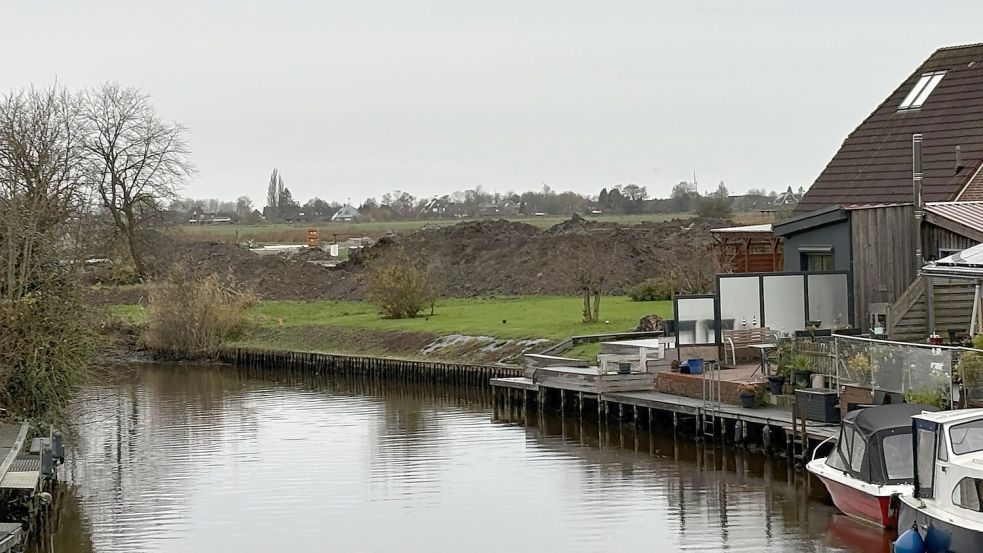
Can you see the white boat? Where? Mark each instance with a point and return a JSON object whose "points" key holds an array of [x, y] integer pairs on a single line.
{"points": [[945, 507]]}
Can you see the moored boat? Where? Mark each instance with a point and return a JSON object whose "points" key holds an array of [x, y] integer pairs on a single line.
{"points": [[945, 506], [871, 465]]}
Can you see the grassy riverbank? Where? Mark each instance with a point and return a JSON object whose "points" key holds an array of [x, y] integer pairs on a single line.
{"points": [[356, 327]]}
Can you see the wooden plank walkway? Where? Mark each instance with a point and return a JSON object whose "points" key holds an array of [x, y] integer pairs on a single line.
{"points": [[772, 416]]}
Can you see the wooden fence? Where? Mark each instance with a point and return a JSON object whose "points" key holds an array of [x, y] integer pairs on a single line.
{"points": [[374, 368]]}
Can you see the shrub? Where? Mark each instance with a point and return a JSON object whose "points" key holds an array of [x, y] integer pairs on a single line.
{"points": [[400, 288], [47, 339], [192, 316], [651, 289]]}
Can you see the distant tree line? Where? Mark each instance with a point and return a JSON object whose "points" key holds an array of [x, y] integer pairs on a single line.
{"points": [[628, 199]]}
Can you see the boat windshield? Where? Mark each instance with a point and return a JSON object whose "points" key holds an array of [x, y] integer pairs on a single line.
{"points": [[898, 460], [967, 437]]}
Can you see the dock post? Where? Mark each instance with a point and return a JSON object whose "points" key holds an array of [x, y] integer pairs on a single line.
{"points": [[675, 422], [621, 412], [634, 410]]}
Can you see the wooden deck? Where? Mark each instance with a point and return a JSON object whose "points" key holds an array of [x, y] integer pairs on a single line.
{"points": [[651, 399]]}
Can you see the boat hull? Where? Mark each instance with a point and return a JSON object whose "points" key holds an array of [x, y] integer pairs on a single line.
{"points": [[879, 510], [940, 536]]}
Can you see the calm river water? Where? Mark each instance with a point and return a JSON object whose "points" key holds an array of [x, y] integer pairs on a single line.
{"points": [[214, 460]]}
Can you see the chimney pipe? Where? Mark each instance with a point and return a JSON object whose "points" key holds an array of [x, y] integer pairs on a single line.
{"points": [[916, 183], [959, 158]]}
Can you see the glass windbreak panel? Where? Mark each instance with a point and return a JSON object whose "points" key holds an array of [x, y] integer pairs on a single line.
{"points": [[926, 462], [897, 457], [695, 321], [785, 309], [927, 372], [828, 300], [857, 455], [740, 301], [966, 437], [967, 494]]}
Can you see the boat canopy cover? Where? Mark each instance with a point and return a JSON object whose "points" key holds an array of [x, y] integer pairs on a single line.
{"points": [[875, 443]]}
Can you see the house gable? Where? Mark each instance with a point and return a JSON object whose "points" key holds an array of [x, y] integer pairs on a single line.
{"points": [[873, 165]]}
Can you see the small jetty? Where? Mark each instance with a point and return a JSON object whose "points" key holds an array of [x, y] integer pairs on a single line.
{"points": [[635, 382], [25, 475]]}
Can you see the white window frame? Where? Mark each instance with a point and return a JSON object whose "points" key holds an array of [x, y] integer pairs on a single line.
{"points": [[923, 88]]}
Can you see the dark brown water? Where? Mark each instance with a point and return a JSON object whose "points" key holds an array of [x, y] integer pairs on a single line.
{"points": [[203, 459]]}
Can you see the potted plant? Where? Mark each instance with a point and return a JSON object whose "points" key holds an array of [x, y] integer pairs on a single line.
{"points": [[776, 382], [859, 366], [749, 395], [783, 354], [801, 370]]}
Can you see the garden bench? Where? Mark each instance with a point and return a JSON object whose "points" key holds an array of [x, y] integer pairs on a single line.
{"points": [[741, 339]]}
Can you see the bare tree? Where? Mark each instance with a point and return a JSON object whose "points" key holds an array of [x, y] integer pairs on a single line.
{"points": [[40, 179], [244, 207], [136, 161], [591, 266], [46, 336]]}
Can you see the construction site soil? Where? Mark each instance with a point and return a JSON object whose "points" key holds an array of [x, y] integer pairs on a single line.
{"points": [[480, 258]]}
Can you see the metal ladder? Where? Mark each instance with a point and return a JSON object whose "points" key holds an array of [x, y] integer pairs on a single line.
{"points": [[711, 399], [800, 436]]}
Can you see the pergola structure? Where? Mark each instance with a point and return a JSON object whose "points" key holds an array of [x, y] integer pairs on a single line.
{"points": [[748, 249]]}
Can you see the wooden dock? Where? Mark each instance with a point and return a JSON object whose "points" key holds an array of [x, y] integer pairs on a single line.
{"points": [[773, 428], [18, 471]]}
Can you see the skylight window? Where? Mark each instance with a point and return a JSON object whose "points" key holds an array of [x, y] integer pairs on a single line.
{"points": [[919, 93]]}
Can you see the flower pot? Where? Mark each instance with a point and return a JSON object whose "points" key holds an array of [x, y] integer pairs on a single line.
{"points": [[775, 384], [802, 378], [747, 400]]}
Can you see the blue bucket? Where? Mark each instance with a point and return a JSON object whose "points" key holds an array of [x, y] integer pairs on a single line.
{"points": [[695, 366]]}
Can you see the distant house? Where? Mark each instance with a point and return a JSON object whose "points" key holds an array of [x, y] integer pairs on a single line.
{"points": [[861, 214], [750, 202], [345, 214], [435, 208], [199, 217]]}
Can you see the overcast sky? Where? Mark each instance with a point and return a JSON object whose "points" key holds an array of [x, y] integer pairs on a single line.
{"points": [[357, 98]]}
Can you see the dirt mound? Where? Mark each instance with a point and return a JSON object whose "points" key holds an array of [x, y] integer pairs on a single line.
{"points": [[476, 258], [271, 277], [504, 258]]}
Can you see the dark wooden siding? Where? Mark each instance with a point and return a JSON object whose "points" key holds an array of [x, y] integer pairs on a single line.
{"points": [[953, 306], [883, 245], [935, 238]]}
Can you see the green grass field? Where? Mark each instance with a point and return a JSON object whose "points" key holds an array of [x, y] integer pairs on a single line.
{"points": [[553, 317], [296, 233]]}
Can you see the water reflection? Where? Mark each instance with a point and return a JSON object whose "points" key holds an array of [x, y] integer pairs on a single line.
{"points": [[198, 458]]}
